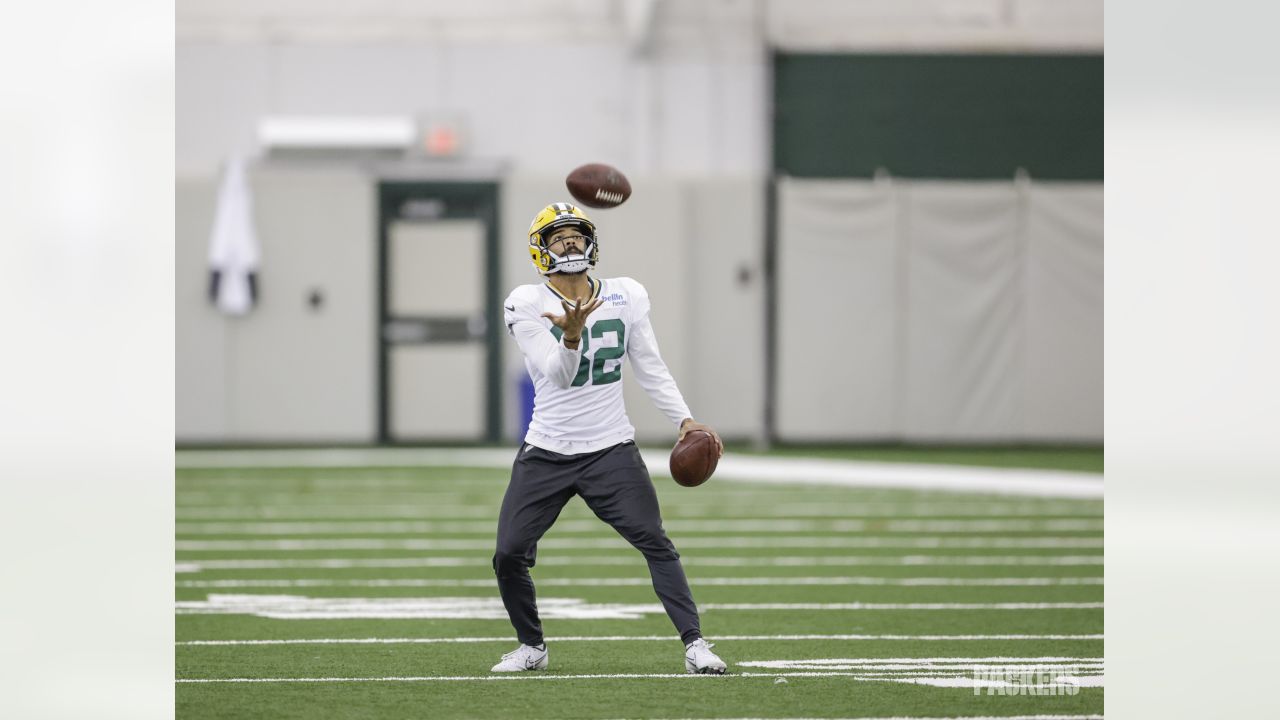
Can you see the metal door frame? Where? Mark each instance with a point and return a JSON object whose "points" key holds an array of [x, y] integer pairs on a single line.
{"points": [[447, 200]]}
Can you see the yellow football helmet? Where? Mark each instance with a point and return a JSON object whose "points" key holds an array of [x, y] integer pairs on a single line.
{"points": [[550, 219]]}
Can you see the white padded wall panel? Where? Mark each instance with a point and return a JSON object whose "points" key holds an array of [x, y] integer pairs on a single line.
{"points": [[962, 367], [993, 291], [837, 310], [1064, 370]]}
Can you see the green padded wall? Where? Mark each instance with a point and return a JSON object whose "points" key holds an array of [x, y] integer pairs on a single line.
{"points": [[938, 116]]}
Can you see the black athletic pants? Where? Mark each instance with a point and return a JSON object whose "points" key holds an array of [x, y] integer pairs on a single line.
{"points": [[615, 484]]}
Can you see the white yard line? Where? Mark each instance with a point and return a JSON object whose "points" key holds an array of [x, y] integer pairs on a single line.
{"points": [[305, 511], [632, 559], [448, 678], [868, 666], [732, 467], [641, 582], [876, 560], [488, 509], [294, 607], [636, 638], [745, 541], [916, 662], [543, 677], [346, 457], [904, 606], [705, 525], [920, 718]]}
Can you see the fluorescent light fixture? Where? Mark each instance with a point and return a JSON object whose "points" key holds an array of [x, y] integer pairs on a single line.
{"points": [[322, 131]]}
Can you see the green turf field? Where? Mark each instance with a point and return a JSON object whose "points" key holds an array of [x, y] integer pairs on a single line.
{"points": [[367, 593]]}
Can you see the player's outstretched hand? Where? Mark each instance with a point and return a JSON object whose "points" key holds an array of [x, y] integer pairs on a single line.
{"points": [[574, 317], [690, 425]]}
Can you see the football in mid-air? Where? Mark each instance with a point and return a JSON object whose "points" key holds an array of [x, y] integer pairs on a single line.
{"points": [[694, 458], [598, 186]]}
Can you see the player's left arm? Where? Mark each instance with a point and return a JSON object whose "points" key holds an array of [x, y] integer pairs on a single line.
{"points": [[654, 376]]}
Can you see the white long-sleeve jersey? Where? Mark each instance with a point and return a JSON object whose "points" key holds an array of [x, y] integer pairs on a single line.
{"points": [[578, 405]]}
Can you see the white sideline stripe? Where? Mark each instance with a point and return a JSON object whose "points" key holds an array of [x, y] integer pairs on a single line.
{"points": [[730, 541], [535, 677], [642, 582], [953, 478], [447, 678], [634, 560], [690, 525], [733, 466], [632, 638]]}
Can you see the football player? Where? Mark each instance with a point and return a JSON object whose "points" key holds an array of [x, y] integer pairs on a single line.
{"points": [[575, 331]]}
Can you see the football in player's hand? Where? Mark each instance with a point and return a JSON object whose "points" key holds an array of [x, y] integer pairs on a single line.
{"points": [[694, 458], [598, 186]]}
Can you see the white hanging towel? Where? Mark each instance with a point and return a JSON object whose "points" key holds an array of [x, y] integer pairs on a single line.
{"points": [[233, 246]]}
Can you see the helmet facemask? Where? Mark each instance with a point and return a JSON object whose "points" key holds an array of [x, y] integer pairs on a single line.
{"points": [[555, 217], [572, 263]]}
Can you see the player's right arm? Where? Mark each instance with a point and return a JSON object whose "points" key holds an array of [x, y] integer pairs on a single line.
{"points": [[556, 359]]}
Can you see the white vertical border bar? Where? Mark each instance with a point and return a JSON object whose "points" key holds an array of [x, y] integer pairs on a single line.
{"points": [[1193, 395], [87, 371]]}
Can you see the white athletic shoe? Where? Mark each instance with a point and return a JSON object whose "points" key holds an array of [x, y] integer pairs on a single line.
{"points": [[699, 659], [523, 658]]}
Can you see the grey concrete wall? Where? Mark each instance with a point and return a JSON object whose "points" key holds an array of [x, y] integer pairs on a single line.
{"points": [[200, 355], [286, 371], [547, 108]]}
